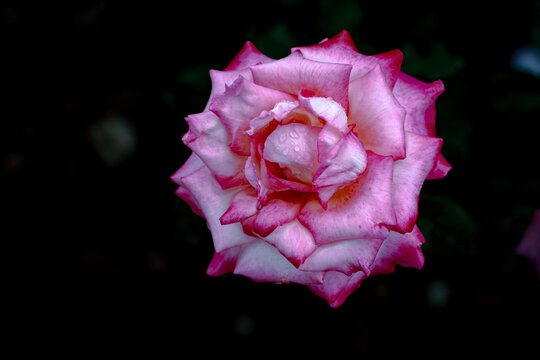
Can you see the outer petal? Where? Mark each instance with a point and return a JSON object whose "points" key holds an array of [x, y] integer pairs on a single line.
{"points": [[409, 176], [208, 138], [346, 256], [223, 79], [402, 249], [261, 261], [192, 164], [241, 102], [243, 205], [294, 73], [325, 108], [276, 212], [377, 114], [341, 49], [248, 56], [213, 202], [360, 210], [293, 241], [223, 262], [337, 286]]}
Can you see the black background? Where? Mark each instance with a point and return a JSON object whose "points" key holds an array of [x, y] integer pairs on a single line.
{"points": [[102, 258]]}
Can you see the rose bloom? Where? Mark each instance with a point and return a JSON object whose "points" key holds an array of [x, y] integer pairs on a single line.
{"points": [[308, 169]]}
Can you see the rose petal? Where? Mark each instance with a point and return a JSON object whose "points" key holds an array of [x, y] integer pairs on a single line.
{"points": [[402, 249], [261, 261], [213, 202], [294, 146], [224, 261], [440, 169], [328, 138], [529, 245], [325, 108], [346, 256], [192, 164], [241, 102], [248, 56], [379, 118], [358, 211], [409, 176], [277, 211], [293, 241], [293, 73], [222, 79], [337, 286], [208, 138], [243, 205], [341, 49]]}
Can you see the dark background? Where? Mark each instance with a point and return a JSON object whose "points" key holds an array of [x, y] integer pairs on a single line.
{"points": [[100, 257]]}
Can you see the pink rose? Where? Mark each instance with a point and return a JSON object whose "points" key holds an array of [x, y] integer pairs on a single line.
{"points": [[308, 169]]}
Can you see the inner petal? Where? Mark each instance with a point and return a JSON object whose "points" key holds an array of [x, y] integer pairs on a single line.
{"points": [[294, 148]]}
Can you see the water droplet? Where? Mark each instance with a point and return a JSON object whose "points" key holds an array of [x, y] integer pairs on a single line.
{"points": [[297, 148], [285, 151], [294, 133], [282, 138]]}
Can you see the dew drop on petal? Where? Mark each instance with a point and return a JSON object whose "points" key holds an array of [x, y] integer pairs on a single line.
{"points": [[282, 138], [297, 148], [294, 134]]}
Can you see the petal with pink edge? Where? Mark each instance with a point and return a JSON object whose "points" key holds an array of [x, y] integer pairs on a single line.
{"points": [[361, 210], [243, 205], [347, 256], [213, 202], [222, 79], [294, 73], [224, 261], [208, 138], [293, 241], [402, 249], [241, 102], [277, 211], [409, 176], [378, 117], [341, 49], [337, 286], [248, 56], [192, 164], [325, 108], [261, 261]]}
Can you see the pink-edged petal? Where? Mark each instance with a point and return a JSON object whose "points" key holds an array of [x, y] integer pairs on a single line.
{"points": [[418, 99], [328, 138], [293, 241], [208, 138], [277, 211], [248, 56], [213, 202], [343, 164], [341, 49], [241, 102], [294, 146], [223, 262], [325, 108], [399, 249], [530, 243], [337, 286], [294, 73], [440, 170], [261, 261], [278, 113], [361, 210], [192, 164], [347, 256], [378, 116], [409, 176], [222, 79], [243, 205]]}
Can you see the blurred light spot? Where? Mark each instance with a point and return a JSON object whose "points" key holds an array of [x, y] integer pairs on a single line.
{"points": [[114, 139], [13, 162], [526, 59], [438, 294], [157, 261], [244, 325]]}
